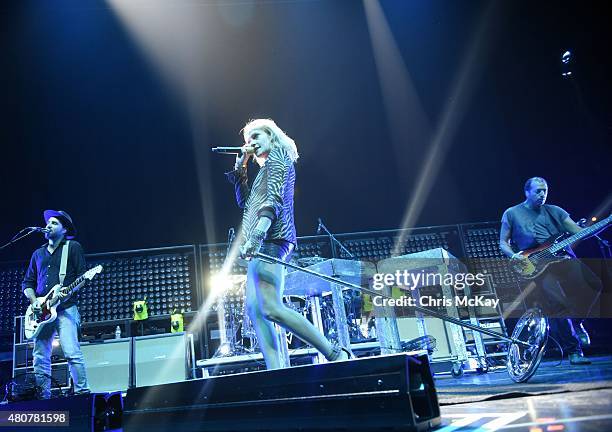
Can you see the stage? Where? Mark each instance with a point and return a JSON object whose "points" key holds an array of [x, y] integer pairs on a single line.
{"points": [[587, 410], [214, 187], [559, 397], [551, 378]]}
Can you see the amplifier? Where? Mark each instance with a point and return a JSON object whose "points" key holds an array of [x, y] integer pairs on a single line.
{"points": [[25, 351], [79, 413], [161, 359], [59, 372], [108, 364]]}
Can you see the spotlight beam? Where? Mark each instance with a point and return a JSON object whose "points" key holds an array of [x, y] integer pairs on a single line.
{"points": [[605, 205], [445, 132], [408, 124], [168, 34]]}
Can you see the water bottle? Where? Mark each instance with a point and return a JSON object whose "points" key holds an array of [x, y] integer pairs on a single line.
{"points": [[118, 333]]}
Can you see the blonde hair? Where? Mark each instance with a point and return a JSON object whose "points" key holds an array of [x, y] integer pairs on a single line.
{"points": [[278, 136]]}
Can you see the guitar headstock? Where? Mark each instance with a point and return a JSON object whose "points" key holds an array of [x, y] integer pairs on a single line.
{"points": [[89, 274]]}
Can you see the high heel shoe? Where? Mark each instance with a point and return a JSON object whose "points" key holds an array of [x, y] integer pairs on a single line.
{"points": [[340, 353]]}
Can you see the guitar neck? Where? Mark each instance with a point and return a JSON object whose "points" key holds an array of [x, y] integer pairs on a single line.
{"points": [[580, 235], [74, 284]]}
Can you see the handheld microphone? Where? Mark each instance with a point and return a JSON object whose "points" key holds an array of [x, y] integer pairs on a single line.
{"points": [[232, 150], [38, 229], [227, 150]]}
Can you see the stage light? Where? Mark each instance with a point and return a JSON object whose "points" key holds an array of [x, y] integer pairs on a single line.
{"points": [[224, 349], [594, 219], [220, 282], [441, 138], [566, 58], [473, 363]]}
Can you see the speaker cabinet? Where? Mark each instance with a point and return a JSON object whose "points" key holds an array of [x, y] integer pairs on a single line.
{"points": [[60, 374], [25, 352], [85, 413], [108, 365], [379, 393], [213, 337], [162, 359]]}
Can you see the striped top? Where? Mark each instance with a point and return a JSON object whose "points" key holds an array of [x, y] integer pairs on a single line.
{"points": [[271, 195]]}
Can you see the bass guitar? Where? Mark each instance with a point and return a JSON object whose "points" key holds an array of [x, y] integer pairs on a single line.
{"points": [[36, 321], [537, 259]]}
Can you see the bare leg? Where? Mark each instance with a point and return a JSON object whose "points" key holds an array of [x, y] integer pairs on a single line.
{"points": [[266, 285], [266, 334]]}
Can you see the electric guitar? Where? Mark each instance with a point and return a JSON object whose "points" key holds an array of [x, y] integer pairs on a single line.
{"points": [[35, 322], [537, 259]]}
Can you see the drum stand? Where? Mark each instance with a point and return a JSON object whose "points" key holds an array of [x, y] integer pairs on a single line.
{"points": [[526, 344]]}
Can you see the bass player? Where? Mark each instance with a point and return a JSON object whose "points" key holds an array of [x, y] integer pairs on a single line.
{"points": [[566, 289]]}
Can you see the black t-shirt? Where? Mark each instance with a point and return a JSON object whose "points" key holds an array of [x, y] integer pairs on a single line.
{"points": [[532, 227]]}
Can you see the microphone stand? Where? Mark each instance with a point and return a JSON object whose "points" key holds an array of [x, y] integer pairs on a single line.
{"points": [[18, 237], [230, 327], [354, 329], [606, 253], [231, 234], [333, 240], [604, 245]]}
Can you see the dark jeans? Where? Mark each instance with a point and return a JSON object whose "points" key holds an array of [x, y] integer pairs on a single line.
{"points": [[66, 325], [568, 292], [569, 289], [562, 329]]}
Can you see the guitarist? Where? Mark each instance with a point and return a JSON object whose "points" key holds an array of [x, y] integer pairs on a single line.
{"points": [[564, 284], [41, 276]]}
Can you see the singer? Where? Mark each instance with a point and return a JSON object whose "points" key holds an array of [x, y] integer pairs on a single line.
{"points": [[268, 227]]}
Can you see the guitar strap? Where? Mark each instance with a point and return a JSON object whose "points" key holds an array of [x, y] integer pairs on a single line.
{"points": [[64, 262], [557, 224]]}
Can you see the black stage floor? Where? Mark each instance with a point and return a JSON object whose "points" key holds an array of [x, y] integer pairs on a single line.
{"points": [[558, 398]]}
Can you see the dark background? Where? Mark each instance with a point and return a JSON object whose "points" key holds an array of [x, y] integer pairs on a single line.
{"points": [[92, 125]]}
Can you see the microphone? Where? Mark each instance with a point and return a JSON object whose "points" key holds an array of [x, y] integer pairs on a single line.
{"points": [[39, 229], [232, 150], [320, 226]]}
